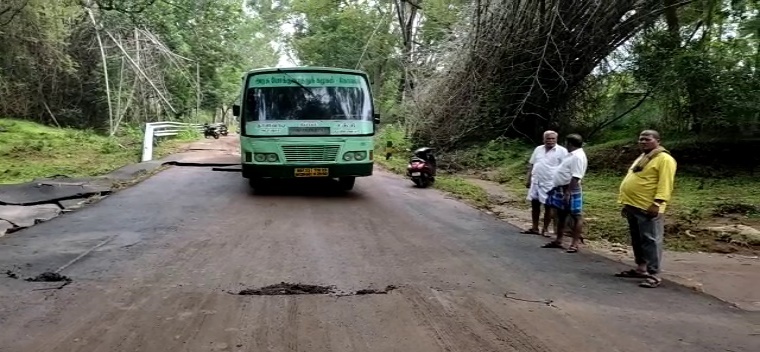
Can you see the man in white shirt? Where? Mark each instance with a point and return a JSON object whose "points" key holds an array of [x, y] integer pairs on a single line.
{"points": [[567, 195], [544, 161]]}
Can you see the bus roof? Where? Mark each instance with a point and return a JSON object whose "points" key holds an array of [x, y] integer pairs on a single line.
{"points": [[305, 68]]}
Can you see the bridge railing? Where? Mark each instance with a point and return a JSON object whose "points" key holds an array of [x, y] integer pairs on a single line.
{"points": [[163, 129]]}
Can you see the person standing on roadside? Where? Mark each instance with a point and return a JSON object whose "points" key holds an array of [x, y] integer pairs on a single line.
{"points": [[644, 194], [388, 150], [567, 195], [544, 161]]}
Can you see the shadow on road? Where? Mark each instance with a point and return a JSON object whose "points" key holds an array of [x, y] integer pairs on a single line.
{"points": [[318, 188]]}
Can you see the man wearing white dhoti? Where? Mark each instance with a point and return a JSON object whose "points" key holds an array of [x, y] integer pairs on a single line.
{"points": [[543, 163]]}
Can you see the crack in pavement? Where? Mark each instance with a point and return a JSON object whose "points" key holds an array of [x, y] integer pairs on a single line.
{"points": [[284, 288], [547, 302], [199, 164]]}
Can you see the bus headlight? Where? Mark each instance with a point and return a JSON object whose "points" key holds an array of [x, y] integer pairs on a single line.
{"points": [[268, 157], [358, 156]]}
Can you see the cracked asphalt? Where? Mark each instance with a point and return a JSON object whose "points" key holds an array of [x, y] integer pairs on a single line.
{"points": [[152, 267]]}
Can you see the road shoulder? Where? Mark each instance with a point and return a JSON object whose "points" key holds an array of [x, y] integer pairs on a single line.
{"points": [[731, 278], [27, 204]]}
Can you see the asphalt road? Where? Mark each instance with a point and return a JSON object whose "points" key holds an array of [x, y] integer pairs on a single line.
{"points": [[168, 251]]}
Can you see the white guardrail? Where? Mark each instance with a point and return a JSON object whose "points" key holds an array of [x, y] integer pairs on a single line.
{"points": [[163, 129]]}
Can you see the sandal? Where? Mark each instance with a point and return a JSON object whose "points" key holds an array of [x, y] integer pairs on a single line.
{"points": [[553, 244], [572, 249], [530, 232], [651, 282], [632, 273]]}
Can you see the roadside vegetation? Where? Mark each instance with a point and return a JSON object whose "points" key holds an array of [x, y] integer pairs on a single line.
{"points": [[79, 79], [704, 198], [29, 150]]}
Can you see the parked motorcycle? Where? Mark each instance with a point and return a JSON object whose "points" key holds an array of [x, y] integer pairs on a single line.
{"points": [[210, 131], [422, 167], [223, 130]]}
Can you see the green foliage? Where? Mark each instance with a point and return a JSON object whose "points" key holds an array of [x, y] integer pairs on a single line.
{"points": [[220, 36], [708, 83], [51, 68], [391, 133], [29, 150], [494, 153], [463, 190], [349, 35]]}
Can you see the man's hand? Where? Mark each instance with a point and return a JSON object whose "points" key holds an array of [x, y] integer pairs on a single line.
{"points": [[653, 211], [623, 212]]}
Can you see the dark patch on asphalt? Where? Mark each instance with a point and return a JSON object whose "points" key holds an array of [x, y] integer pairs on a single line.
{"points": [[49, 276], [369, 291], [224, 169], [11, 274], [284, 288], [190, 164]]}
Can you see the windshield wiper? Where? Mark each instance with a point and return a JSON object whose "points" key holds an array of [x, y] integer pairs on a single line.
{"points": [[293, 80]]}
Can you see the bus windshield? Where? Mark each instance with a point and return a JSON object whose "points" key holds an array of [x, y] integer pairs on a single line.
{"points": [[296, 102]]}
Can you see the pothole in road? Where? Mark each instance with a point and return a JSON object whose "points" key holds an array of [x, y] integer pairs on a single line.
{"points": [[370, 291], [49, 277], [284, 288]]}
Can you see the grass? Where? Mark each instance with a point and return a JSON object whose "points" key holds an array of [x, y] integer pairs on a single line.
{"points": [[453, 184], [699, 201], [29, 150]]}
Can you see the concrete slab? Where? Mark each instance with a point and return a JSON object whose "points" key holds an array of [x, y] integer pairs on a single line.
{"points": [[5, 227], [49, 191], [130, 172], [71, 204], [26, 216]]}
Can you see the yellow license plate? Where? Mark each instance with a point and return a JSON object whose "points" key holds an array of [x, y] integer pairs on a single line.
{"points": [[312, 172]]}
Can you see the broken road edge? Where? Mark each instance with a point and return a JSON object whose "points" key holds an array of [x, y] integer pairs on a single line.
{"points": [[27, 204]]}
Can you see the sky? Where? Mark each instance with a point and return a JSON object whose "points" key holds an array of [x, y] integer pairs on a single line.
{"points": [[278, 45], [284, 60]]}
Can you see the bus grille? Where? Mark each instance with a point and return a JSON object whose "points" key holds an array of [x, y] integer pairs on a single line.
{"points": [[310, 153]]}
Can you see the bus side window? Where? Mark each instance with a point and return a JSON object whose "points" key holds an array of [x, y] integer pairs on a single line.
{"points": [[250, 105]]}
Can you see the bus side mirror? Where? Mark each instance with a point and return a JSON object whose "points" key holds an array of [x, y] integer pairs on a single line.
{"points": [[236, 110], [376, 118]]}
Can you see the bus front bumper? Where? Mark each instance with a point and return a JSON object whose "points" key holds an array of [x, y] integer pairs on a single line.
{"points": [[298, 171]]}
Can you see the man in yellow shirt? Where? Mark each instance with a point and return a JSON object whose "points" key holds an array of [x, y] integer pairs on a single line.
{"points": [[644, 194]]}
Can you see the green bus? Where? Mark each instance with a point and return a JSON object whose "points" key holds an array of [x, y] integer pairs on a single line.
{"points": [[302, 122]]}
